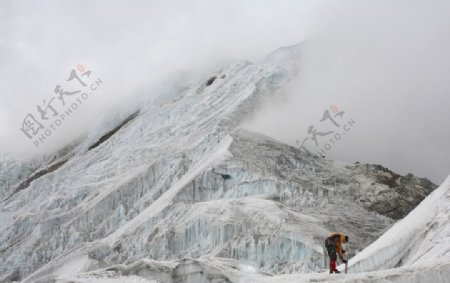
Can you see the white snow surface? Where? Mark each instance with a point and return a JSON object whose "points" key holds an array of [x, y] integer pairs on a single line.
{"points": [[165, 200]]}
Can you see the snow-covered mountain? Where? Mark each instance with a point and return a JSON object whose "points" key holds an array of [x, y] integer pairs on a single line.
{"points": [[175, 191]]}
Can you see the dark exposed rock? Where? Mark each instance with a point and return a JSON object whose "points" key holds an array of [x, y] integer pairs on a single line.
{"points": [[109, 134], [22, 173], [210, 80], [225, 176], [24, 184], [12, 277], [391, 194]]}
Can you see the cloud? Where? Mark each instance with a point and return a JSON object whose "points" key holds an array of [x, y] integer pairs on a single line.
{"points": [[386, 65], [130, 45]]}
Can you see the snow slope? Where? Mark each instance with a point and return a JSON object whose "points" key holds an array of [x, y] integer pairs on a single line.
{"points": [[164, 200], [113, 176]]}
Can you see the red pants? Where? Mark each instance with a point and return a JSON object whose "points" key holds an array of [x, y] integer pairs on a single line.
{"points": [[330, 244], [332, 265]]}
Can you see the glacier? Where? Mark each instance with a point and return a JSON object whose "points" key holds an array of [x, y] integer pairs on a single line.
{"points": [[416, 249], [173, 190]]}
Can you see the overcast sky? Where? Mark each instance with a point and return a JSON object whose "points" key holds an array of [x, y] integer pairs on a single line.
{"points": [[385, 63]]}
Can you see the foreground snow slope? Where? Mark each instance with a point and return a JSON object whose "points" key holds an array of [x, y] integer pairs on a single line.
{"points": [[416, 249]]}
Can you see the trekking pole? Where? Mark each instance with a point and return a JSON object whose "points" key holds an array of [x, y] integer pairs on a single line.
{"points": [[346, 264]]}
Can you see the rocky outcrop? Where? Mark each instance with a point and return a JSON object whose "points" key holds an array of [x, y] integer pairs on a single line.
{"points": [[391, 194]]}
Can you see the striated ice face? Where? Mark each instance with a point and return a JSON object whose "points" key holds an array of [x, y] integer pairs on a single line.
{"points": [[176, 179]]}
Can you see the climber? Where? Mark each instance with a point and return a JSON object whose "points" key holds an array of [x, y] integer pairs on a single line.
{"points": [[334, 247]]}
